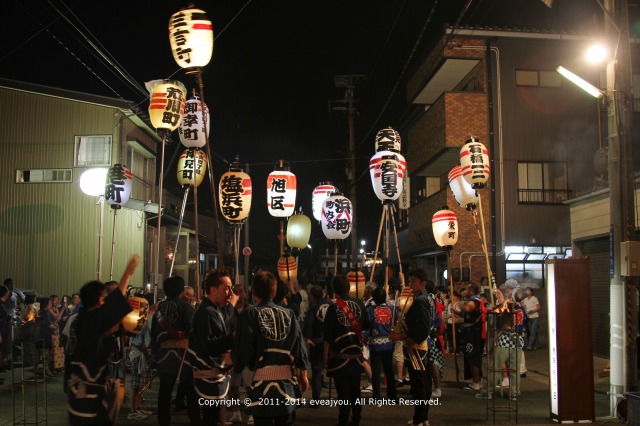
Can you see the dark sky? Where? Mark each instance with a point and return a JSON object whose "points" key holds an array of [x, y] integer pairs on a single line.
{"points": [[271, 77]]}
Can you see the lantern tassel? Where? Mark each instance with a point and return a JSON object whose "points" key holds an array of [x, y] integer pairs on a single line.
{"points": [[175, 247]]}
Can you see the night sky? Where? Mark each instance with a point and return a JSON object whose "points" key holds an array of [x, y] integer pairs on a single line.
{"points": [[270, 81]]}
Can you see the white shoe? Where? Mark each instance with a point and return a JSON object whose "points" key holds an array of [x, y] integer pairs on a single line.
{"points": [[367, 389], [134, 415], [250, 420], [437, 393], [505, 382], [236, 418]]}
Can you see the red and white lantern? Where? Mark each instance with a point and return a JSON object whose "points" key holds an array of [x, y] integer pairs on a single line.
{"points": [[321, 193], [166, 107], [117, 188], [463, 192], [387, 170], [287, 269], [191, 38], [445, 227], [281, 193], [388, 139], [235, 195], [192, 129], [192, 166], [474, 160], [336, 217], [356, 283]]}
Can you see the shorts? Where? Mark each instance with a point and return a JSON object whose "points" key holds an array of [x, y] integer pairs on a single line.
{"points": [[398, 356]]}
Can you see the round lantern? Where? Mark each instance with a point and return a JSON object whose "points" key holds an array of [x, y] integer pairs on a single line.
{"points": [[235, 195], [388, 139], [136, 319], [281, 193], [192, 130], [336, 217], [405, 300], [298, 231], [117, 188], [321, 193], [287, 263], [463, 192], [166, 106], [191, 38], [445, 227], [356, 283], [474, 161], [192, 166], [92, 181], [387, 170]]}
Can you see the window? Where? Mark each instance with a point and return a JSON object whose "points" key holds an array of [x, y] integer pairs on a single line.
{"points": [[538, 78], [423, 187], [92, 151], [142, 164], [542, 183], [44, 176]]}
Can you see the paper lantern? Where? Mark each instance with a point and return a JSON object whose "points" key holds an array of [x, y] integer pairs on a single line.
{"points": [[287, 262], [166, 107], [192, 166], [191, 38], [445, 227], [387, 170], [474, 161], [463, 192], [93, 181], [336, 217], [192, 130], [388, 139], [281, 193], [117, 189], [136, 319], [235, 195], [405, 300], [298, 231], [356, 283], [320, 193]]}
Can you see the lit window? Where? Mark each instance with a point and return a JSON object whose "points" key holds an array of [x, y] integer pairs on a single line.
{"points": [[542, 183], [92, 151]]}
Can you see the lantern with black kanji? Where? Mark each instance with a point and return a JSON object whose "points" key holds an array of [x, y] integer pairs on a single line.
{"points": [[117, 188], [192, 129], [298, 231], [336, 217], [281, 193], [321, 193], [166, 107], [191, 38], [463, 192], [356, 283], [192, 166], [235, 195], [387, 170], [388, 139], [474, 161], [137, 318], [445, 227], [287, 269]]}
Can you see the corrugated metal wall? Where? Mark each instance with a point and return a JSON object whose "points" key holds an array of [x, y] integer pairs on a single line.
{"points": [[598, 252]]}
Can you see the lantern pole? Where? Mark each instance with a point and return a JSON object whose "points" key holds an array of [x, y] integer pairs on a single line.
{"points": [[453, 322], [100, 236], [175, 247], [236, 242], [375, 254], [492, 278], [395, 236], [159, 228], [335, 258], [386, 244], [113, 243], [195, 208]]}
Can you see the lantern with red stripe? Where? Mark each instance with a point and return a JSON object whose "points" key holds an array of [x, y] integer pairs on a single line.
{"points": [[388, 139], [356, 282], [287, 269], [281, 193], [463, 192], [387, 170], [117, 188], [474, 160], [405, 300], [191, 38], [137, 318], [336, 217], [192, 130], [445, 227], [166, 107], [321, 193], [192, 165], [235, 194]]}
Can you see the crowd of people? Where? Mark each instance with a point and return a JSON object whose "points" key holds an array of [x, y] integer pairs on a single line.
{"points": [[201, 352]]}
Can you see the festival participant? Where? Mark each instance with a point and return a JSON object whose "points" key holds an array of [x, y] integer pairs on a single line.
{"points": [[380, 346], [313, 333], [472, 336], [269, 340], [140, 369], [247, 374]]}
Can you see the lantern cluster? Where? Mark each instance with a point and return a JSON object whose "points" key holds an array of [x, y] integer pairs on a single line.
{"points": [[191, 38], [166, 107], [118, 185], [235, 195], [463, 192], [192, 130], [321, 193], [445, 227], [336, 217], [281, 193], [192, 166], [474, 161]]}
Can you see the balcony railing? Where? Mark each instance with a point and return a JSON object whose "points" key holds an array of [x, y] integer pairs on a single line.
{"points": [[543, 196]]}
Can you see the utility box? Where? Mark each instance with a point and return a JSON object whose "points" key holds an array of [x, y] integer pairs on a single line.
{"points": [[630, 259]]}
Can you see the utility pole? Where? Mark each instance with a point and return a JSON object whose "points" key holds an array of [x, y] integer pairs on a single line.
{"points": [[347, 104]]}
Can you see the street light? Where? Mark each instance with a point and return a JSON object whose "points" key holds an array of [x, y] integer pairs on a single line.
{"points": [[581, 83]]}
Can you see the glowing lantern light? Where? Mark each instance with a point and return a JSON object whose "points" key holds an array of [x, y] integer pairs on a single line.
{"points": [[356, 281], [387, 170], [336, 217], [192, 166], [93, 181], [287, 262], [388, 139], [321, 193], [463, 192], [474, 161], [192, 131], [281, 193], [117, 189], [191, 38], [298, 231], [166, 107], [235, 195], [445, 227], [136, 319]]}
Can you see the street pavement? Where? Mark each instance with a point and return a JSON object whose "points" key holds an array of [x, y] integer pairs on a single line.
{"points": [[456, 406]]}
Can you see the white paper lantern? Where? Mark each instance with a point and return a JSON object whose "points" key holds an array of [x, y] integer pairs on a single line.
{"points": [[298, 231], [235, 195], [320, 193], [137, 318], [191, 38], [388, 139], [474, 161], [336, 217], [463, 192], [117, 189], [93, 181], [192, 166], [445, 227], [281, 193], [192, 130], [387, 170], [166, 107]]}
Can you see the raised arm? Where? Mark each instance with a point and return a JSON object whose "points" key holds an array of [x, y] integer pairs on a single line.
{"points": [[134, 261]]}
